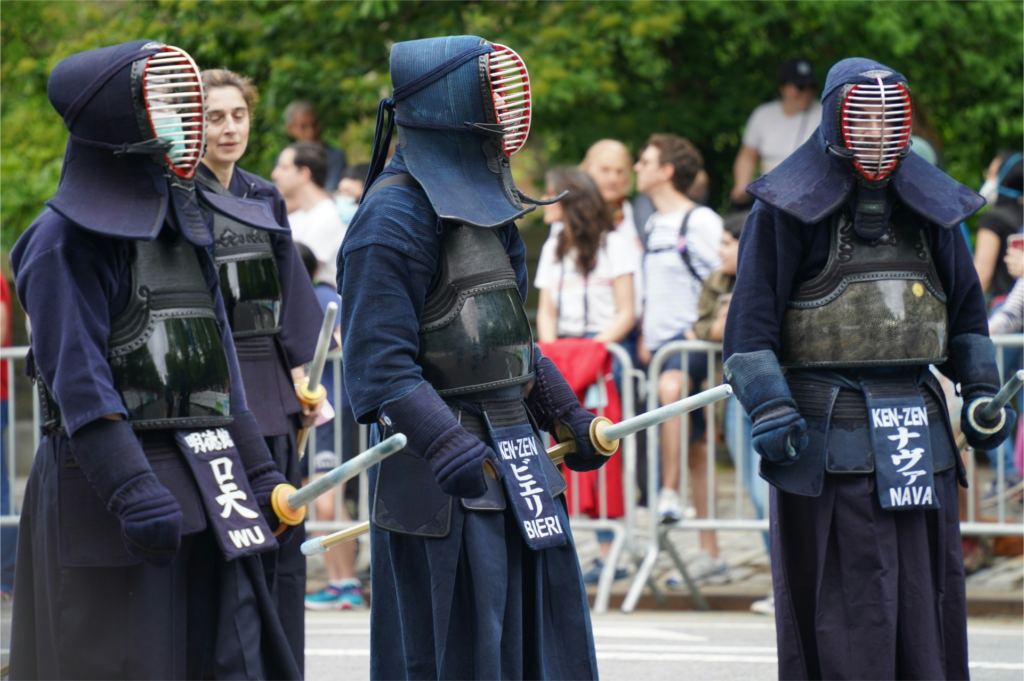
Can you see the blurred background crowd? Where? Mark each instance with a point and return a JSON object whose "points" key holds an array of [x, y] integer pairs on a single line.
{"points": [[654, 116]]}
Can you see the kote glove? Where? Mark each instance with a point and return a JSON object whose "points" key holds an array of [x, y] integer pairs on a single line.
{"points": [[114, 464], [456, 457], [552, 403]]}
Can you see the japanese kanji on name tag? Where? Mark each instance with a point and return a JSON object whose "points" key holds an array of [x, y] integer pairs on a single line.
{"points": [[230, 507], [526, 486], [902, 448]]}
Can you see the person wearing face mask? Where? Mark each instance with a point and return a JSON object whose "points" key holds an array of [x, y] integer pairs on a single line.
{"points": [[1004, 193], [272, 310], [852, 279], [350, 190], [148, 507]]}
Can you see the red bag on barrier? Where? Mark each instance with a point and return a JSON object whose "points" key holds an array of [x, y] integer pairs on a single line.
{"points": [[581, 361]]}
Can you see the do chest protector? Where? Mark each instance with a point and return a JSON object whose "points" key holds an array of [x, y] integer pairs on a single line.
{"points": [[474, 334], [165, 348], [877, 302], [249, 280]]}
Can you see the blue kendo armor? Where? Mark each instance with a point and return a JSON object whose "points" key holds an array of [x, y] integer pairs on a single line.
{"points": [[165, 349], [852, 305], [876, 303], [249, 280]]}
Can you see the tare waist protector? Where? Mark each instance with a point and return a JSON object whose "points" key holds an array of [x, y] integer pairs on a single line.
{"points": [[474, 334], [876, 303]]}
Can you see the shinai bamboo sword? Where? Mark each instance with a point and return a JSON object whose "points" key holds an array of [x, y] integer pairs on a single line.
{"points": [[603, 434], [311, 392]]}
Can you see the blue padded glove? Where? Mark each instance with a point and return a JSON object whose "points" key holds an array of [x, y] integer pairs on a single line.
{"points": [[113, 462], [972, 359], [779, 433], [455, 457], [260, 469], [552, 403]]}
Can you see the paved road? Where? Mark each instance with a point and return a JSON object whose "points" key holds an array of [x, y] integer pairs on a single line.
{"points": [[658, 646], [648, 646]]}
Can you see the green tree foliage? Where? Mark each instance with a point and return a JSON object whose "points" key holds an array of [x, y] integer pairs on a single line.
{"points": [[601, 69]]}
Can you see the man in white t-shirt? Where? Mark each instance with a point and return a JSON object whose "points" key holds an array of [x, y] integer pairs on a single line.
{"points": [[682, 240], [776, 129], [313, 216]]}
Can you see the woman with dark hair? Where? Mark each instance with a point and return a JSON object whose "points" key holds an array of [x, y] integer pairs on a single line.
{"points": [[585, 272], [274, 316], [585, 279]]}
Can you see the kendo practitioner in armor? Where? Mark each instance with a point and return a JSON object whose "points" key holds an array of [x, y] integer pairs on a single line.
{"points": [[148, 503], [474, 569], [853, 278], [273, 313]]}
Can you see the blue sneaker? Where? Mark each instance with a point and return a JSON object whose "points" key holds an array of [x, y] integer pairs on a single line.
{"points": [[327, 598], [348, 597], [351, 597], [593, 575]]}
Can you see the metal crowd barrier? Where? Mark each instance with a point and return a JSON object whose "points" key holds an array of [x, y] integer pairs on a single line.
{"points": [[626, 529], [1001, 526], [9, 515], [622, 528], [656, 538], [658, 533]]}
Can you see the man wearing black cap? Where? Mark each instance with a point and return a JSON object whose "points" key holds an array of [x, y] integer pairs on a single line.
{"points": [[776, 129]]}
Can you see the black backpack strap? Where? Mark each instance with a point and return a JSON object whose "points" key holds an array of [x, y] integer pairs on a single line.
{"points": [[401, 180], [643, 209], [686, 252]]}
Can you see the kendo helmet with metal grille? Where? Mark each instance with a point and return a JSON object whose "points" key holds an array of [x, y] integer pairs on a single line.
{"points": [[135, 118], [463, 106], [876, 120], [169, 104], [510, 94], [860, 158]]}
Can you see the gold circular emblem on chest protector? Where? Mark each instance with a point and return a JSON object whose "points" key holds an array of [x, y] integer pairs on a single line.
{"points": [[918, 290]]}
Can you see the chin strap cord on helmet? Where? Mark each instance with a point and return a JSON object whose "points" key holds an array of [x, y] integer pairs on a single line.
{"points": [[156, 145], [540, 202]]}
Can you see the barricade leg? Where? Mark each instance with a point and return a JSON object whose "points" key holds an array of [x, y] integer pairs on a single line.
{"points": [[666, 545], [604, 584]]}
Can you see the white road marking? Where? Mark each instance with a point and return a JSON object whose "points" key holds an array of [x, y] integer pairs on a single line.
{"points": [[644, 633], [686, 657], [995, 665], [995, 632], [641, 653], [639, 648], [337, 652], [715, 625]]}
